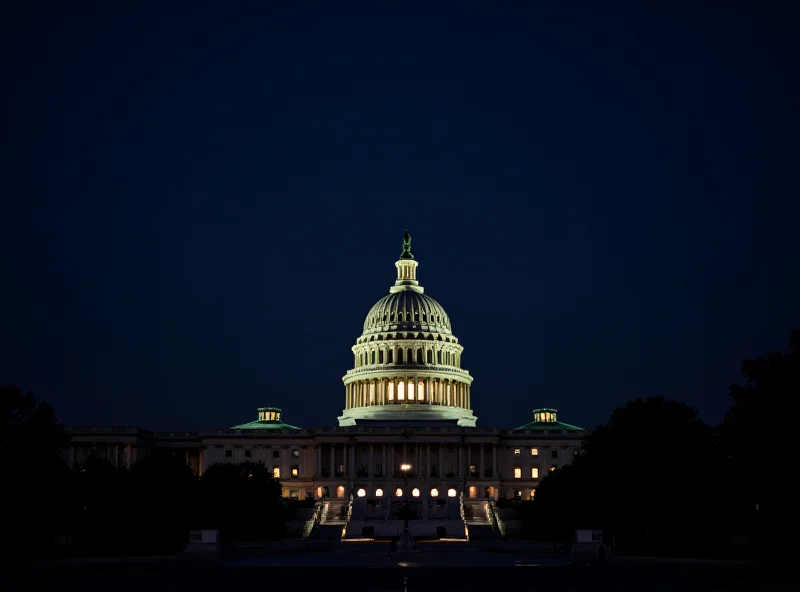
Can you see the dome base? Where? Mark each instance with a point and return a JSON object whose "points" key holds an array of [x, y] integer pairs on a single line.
{"points": [[399, 414]]}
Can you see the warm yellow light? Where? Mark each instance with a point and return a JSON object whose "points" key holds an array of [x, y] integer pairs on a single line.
{"points": [[415, 492], [276, 472], [361, 493], [398, 492], [295, 472], [517, 472], [552, 468], [517, 452], [534, 452], [534, 472], [405, 467], [434, 492], [451, 493], [379, 492]]}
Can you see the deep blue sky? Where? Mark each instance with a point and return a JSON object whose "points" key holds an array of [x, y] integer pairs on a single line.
{"points": [[200, 206]]}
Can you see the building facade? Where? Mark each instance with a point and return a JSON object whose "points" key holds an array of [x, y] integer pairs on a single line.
{"points": [[406, 430]]}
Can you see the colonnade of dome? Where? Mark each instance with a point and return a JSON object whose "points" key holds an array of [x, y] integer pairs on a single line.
{"points": [[407, 357]]}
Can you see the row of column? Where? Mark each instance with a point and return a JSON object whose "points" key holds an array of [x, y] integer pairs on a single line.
{"points": [[418, 455], [398, 354], [401, 390]]}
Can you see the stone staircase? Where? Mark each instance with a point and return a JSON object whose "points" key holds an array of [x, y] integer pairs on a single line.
{"points": [[478, 518]]}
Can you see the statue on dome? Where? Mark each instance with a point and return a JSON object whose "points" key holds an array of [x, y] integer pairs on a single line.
{"points": [[406, 254]]}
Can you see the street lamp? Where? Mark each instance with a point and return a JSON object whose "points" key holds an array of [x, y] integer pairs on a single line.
{"points": [[405, 468]]}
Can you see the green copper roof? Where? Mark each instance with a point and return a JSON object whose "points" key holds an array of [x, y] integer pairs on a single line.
{"points": [[265, 425], [269, 418], [545, 418]]}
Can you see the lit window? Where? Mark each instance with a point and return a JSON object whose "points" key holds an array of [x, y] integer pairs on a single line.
{"points": [[451, 493], [276, 472], [379, 492], [533, 493], [517, 472], [534, 472], [401, 391], [391, 390], [517, 451], [398, 492], [421, 391], [295, 472], [361, 493], [534, 452], [434, 492], [340, 491], [415, 492], [553, 468], [410, 391]]}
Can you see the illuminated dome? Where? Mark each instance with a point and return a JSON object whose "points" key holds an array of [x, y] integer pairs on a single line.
{"points": [[407, 360], [407, 310]]}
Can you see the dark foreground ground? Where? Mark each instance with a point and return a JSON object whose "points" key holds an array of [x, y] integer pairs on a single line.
{"points": [[402, 577]]}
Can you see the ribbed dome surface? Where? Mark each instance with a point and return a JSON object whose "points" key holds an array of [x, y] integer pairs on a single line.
{"points": [[405, 310]]}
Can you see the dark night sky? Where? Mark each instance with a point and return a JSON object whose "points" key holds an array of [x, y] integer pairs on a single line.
{"points": [[200, 206]]}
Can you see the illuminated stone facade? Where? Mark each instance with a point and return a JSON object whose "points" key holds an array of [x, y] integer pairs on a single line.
{"points": [[408, 403]]}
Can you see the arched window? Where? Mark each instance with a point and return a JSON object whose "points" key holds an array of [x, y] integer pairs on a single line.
{"points": [[439, 356], [451, 493], [391, 391], [421, 391], [434, 492], [419, 356], [430, 357], [379, 492], [415, 492], [389, 356], [399, 356], [380, 357], [411, 391], [361, 493], [373, 356], [401, 391], [410, 356], [398, 492]]}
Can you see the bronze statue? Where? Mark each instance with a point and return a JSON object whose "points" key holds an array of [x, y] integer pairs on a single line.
{"points": [[406, 254]]}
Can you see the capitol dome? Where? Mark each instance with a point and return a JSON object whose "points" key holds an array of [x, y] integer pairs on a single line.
{"points": [[407, 362]]}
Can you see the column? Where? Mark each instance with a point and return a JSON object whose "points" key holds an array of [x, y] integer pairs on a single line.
{"points": [[319, 460], [371, 467], [469, 457], [428, 461], [459, 469], [482, 463], [333, 460], [494, 461], [201, 466], [384, 460], [441, 460]]}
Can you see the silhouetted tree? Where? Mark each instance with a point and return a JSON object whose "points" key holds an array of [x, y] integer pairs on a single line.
{"points": [[757, 434], [32, 443], [245, 498], [647, 476]]}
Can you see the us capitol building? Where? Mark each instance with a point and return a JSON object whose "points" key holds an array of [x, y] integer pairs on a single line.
{"points": [[406, 434]]}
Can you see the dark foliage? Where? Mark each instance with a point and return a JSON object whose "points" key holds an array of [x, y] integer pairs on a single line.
{"points": [[243, 498], [31, 444]]}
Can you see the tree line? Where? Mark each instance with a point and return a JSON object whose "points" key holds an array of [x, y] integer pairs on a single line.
{"points": [[658, 480]]}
